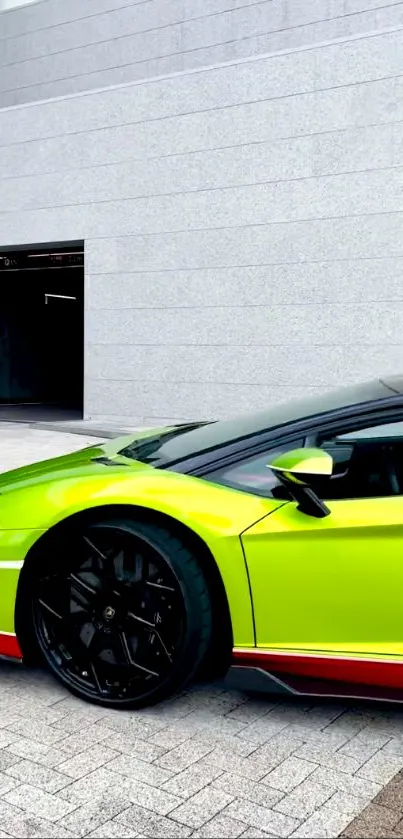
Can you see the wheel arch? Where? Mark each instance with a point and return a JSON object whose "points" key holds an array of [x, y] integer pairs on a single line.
{"points": [[218, 658]]}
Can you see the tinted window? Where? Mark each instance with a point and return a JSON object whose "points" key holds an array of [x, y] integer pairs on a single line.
{"points": [[253, 474], [389, 431], [366, 463]]}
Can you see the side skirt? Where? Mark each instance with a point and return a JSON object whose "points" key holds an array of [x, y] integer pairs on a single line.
{"points": [[316, 675]]}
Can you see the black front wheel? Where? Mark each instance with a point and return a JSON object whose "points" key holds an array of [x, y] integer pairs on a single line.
{"points": [[121, 612]]}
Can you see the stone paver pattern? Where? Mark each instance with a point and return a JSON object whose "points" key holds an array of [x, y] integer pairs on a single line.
{"points": [[209, 763]]}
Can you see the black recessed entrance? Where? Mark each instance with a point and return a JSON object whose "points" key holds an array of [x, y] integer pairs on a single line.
{"points": [[42, 327]]}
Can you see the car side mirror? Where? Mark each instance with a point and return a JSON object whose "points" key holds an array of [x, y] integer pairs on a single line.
{"points": [[299, 470]]}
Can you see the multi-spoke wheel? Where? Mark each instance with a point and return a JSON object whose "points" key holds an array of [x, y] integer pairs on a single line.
{"points": [[121, 612]]}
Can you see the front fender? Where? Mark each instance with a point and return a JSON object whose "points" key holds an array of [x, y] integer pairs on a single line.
{"points": [[216, 514]]}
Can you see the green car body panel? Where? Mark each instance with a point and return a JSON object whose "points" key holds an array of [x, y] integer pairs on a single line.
{"points": [[341, 592], [309, 598], [35, 498]]}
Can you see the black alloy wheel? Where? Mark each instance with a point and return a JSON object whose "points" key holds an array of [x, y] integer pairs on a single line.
{"points": [[121, 613]]}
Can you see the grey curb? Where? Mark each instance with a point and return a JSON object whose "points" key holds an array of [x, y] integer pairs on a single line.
{"points": [[66, 428]]}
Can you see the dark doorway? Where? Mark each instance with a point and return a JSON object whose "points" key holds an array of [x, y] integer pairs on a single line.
{"points": [[42, 329]]}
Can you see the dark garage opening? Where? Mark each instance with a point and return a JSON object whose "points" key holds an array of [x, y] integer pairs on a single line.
{"points": [[42, 333]]}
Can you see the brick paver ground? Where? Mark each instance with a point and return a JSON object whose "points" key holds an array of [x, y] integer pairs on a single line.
{"points": [[384, 816], [209, 763]]}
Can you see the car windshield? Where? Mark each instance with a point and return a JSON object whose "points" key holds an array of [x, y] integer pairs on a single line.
{"points": [[185, 441]]}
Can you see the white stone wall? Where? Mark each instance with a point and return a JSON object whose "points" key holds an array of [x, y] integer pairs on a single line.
{"points": [[56, 47], [242, 223]]}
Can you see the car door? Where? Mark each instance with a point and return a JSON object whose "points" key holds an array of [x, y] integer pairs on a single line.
{"points": [[334, 584]]}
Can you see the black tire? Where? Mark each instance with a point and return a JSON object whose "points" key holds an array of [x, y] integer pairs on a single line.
{"points": [[121, 612]]}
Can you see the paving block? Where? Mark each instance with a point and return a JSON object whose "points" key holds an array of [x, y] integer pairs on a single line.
{"points": [[263, 729], [381, 768], [124, 744], [184, 755], [147, 823], [325, 823], [246, 767], [38, 731], [94, 813], [289, 774], [113, 830], [144, 795], [191, 780], [250, 790], [85, 762], [347, 803], [39, 803], [85, 789], [39, 776], [347, 783], [201, 807], [37, 752], [220, 825], [75, 744], [303, 800], [138, 770], [277, 749], [270, 821]]}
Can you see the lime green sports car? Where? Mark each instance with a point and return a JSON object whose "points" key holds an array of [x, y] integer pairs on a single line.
{"points": [[267, 550]]}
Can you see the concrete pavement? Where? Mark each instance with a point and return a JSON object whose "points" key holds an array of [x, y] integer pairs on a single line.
{"points": [[209, 763]]}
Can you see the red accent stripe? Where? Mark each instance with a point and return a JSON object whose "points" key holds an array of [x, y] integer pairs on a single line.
{"points": [[9, 646], [358, 671]]}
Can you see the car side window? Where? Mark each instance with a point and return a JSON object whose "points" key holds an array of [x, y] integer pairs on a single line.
{"points": [[252, 474], [367, 463]]}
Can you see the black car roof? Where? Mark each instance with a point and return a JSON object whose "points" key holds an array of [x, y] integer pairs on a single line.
{"points": [[215, 435]]}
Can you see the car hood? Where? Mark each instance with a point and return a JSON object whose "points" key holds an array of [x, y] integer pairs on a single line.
{"points": [[91, 460]]}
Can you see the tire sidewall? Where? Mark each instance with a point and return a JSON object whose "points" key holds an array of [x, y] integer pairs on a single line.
{"points": [[196, 600]]}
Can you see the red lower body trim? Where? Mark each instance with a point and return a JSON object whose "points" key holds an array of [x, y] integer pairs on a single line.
{"points": [[386, 673], [9, 645]]}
